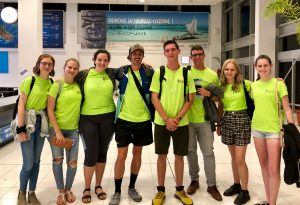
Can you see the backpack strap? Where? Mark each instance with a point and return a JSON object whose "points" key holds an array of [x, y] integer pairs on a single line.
{"points": [[161, 78], [185, 74]]}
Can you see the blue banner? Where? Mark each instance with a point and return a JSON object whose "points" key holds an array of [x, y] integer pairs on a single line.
{"points": [[3, 62]]}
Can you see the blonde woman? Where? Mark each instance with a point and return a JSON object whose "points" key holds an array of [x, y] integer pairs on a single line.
{"points": [[235, 128], [64, 100]]}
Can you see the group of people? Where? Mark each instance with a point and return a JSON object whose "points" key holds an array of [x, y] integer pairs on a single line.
{"points": [[180, 96]]}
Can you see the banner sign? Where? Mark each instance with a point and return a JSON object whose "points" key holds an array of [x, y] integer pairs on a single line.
{"points": [[100, 27]]}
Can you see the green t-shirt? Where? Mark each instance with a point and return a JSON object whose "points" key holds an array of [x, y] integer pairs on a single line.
{"points": [[172, 98], [37, 99], [205, 77], [265, 116], [67, 107], [98, 94], [133, 108], [235, 100]]}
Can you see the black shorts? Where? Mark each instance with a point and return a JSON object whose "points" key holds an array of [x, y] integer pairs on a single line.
{"points": [[137, 133], [180, 138], [236, 128]]}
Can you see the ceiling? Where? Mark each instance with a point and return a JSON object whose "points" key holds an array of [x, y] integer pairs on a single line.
{"points": [[146, 2]]}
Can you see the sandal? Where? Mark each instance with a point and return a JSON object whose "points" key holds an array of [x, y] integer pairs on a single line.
{"points": [[101, 195], [70, 196], [61, 200], [87, 196]]}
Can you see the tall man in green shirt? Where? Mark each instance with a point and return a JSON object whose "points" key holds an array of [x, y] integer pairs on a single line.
{"points": [[133, 123], [171, 120], [199, 128]]}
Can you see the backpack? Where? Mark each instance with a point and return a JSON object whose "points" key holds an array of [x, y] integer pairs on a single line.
{"points": [[161, 78], [15, 112], [249, 102]]}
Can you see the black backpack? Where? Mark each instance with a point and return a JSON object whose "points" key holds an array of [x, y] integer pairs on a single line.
{"points": [[17, 101], [162, 77]]}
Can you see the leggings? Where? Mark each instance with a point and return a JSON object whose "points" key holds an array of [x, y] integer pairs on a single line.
{"points": [[97, 132]]}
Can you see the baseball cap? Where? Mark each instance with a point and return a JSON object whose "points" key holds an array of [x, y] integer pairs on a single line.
{"points": [[136, 47]]}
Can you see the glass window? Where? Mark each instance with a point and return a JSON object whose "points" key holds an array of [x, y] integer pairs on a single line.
{"points": [[288, 43], [229, 31], [245, 19]]}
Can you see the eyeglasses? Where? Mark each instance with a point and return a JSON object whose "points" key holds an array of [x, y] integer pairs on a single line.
{"points": [[46, 64], [197, 54]]}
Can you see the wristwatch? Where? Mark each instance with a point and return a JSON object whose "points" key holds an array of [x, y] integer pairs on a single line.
{"points": [[179, 118]]}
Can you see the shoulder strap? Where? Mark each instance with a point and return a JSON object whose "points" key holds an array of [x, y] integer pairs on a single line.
{"points": [[51, 80], [123, 71], [161, 78], [185, 73], [59, 82], [188, 67], [139, 87], [31, 84]]}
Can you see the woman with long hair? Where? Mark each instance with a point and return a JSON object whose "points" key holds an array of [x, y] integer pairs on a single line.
{"points": [[235, 128], [266, 125], [64, 99], [32, 125]]}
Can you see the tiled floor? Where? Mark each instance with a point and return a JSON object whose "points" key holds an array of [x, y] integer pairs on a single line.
{"points": [[10, 164]]}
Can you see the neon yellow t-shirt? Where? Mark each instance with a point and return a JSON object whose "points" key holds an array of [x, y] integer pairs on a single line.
{"points": [[172, 98], [133, 108], [67, 107], [98, 94], [235, 100], [37, 99], [265, 116], [206, 77]]}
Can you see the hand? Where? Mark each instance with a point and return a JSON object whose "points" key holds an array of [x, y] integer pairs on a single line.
{"points": [[23, 137], [60, 139], [203, 92], [171, 124]]}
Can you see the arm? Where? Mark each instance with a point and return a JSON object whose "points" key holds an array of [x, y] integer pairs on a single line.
{"points": [[287, 109], [186, 106], [21, 116], [52, 118], [171, 123]]}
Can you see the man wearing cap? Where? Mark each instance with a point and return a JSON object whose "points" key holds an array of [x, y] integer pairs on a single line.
{"points": [[133, 123]]}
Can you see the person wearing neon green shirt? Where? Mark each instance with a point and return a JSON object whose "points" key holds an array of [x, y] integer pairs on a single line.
{"points": [[171, 120], [32, 145], [133, 123], [96, 123], [64, 98], [265, 126], [200, 130], [235, 128]]}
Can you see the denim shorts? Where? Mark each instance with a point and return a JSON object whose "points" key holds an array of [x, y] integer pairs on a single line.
{"points": [[264, 135]]}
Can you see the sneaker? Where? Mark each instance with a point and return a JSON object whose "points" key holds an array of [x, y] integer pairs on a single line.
{"points": [[193, 187], [242, 198], [134, 195], [159, 198], [22, 198], [181, 195], [115, 199], [232, 190], [214, 192], [32, 199]]}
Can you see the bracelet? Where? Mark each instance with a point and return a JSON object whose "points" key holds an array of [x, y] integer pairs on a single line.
{"points": [[21, 129]]}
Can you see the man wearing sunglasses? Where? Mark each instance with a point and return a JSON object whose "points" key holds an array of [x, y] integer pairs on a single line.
{"points": [[199, 127]]}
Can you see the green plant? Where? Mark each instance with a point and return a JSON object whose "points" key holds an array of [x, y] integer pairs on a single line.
{"points": [[289, 10]]}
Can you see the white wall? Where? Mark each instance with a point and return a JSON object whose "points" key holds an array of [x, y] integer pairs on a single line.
{"points": [[119, 55]]}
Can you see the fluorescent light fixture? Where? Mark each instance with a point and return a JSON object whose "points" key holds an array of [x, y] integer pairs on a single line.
{"points": [[142, 1]]}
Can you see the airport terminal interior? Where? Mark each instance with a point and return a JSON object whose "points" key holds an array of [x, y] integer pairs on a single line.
{"points": [[225, 28]]}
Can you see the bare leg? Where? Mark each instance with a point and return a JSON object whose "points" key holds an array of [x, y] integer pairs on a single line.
{"points": [[161, 169], [179, 167]]}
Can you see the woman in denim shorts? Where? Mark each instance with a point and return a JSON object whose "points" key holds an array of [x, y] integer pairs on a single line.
{"points": [[235, 128], [63, 107], [266, 124]]}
